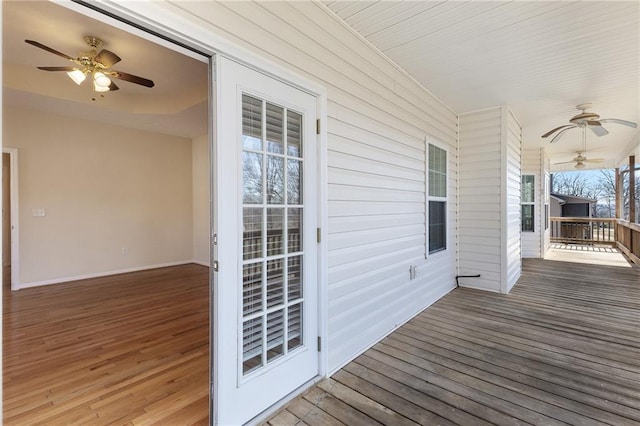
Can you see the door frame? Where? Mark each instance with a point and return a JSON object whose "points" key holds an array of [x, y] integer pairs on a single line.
{"points": [[170, 22], [15, 219]]}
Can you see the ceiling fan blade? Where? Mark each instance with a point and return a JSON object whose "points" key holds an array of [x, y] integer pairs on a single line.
{"points": [[598, 130], [132, 78], [618, 121], [565, 162], [107, 58], [593, 160], [560, 133], [50, 50], [57, 68], [113, 87], [550, 132]]}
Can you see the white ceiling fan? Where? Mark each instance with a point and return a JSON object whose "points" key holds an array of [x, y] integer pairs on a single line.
{"points": [[580, 159], [585, 120]]}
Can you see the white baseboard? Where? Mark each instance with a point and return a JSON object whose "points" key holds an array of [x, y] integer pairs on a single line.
{"points": [[103, 274], [197, 262]]}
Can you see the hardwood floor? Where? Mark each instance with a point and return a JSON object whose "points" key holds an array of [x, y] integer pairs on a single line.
{"points": [[128, 349], [562, 348]]}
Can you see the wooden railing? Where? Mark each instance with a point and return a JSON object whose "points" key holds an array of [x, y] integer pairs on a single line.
{"points": [[583, 230], [628, 239]]}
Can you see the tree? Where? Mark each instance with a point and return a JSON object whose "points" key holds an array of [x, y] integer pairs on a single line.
{"points": [[576, 184]]}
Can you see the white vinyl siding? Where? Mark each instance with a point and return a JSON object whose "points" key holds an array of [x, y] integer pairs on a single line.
{"points": [[378, 120], [489, 204], [512, 144]]}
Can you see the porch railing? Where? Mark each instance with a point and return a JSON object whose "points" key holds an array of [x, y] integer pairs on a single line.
{"points": [[583, 230], [628, 239]]}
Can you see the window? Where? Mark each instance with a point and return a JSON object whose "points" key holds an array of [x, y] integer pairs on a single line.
{"points": [[528, 203], [546, 202], [437, 199]]}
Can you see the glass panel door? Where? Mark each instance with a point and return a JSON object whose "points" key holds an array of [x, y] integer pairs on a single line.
{"points": [[265, 319], [272, 212]]}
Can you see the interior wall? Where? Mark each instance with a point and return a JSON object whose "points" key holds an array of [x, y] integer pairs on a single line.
{"points": [[6, 211], [201, 200], [113, 198]]}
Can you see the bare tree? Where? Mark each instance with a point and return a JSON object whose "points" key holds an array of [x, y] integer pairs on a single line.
{"points": [[576, 184]]}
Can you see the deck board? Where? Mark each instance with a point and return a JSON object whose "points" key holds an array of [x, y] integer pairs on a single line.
{"points": [[562, 347]]}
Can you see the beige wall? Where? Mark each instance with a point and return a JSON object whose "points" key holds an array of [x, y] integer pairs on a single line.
{"points": [[6, 211], [201, 197], [114, 198]]}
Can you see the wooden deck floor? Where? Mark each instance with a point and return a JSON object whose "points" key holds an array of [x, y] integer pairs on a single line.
{"points": [[562, 348], [126, 349]]}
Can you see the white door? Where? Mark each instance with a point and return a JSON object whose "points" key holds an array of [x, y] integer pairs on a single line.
{"points": [[266, 316]]}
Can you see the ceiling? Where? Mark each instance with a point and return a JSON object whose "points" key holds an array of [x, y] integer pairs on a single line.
{"points": [[540, 58], [176, 105]]}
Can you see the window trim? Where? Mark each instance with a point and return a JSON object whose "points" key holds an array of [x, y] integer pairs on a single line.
{"points": [[528, 203], [428, 198]]}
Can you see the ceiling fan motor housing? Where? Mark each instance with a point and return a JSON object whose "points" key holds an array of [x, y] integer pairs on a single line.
{"points": [[582, 118]]}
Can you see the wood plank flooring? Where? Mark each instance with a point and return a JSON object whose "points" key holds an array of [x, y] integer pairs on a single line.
{"points": [[130, 349], [562, 348]]}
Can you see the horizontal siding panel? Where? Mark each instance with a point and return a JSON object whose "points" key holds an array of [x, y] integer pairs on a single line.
{"points": [[345, 161], [410, 147], [465, 241], [352, 254], [359, 223], [372, 263], [356, 238], [354, 193], [367, 180], [360, 208], [488, 231], [364, 150]]}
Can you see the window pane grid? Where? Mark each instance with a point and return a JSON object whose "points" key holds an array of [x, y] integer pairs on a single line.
{"points": [[272, 233], [436, 199]]}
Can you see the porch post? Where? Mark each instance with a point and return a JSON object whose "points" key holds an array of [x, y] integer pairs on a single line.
{"points": [[618, 185], [632, 189]]}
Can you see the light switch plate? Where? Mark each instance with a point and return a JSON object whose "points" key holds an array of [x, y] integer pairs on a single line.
{"points": [[38, 212]]}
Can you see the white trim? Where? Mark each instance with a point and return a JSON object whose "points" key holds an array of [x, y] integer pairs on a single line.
{"points": [[15, 218], [323, 247], [504, 235], [199, 262], [104, 274]]}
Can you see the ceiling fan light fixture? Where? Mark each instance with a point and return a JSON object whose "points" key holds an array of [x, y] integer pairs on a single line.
{"points": [[77, 76], [98, 88], [579, 165], [101, 80]]}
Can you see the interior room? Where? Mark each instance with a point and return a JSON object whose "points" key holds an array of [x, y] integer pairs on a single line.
{"points": [[109, 247]]}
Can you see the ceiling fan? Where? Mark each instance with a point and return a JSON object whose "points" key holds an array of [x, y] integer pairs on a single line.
{"points": [[94, 63], [581, 159], [587, 119]]}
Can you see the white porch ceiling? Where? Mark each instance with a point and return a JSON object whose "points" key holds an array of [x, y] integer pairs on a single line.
{"points": [[541, 58]]}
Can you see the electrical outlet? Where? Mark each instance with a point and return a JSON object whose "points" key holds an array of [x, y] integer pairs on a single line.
{"points": [[412, 272], [125, 251]]}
